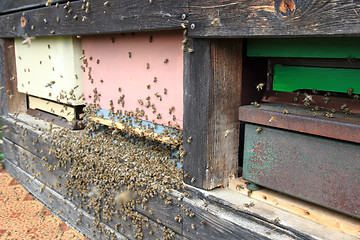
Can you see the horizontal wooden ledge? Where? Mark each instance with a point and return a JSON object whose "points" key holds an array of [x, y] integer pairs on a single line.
{"points": [[161, 137], [117, 16], [9, 6], [300, 119], [320, 215], [255, 18]]}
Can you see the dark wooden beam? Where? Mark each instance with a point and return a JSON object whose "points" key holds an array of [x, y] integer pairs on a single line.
{"points": [[8, 6], [3, 101], [74, 19], [255, 18], [16, 102], [211, 98]]}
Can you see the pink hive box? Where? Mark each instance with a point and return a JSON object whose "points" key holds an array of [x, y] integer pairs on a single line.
{"points": [[131, 61]]}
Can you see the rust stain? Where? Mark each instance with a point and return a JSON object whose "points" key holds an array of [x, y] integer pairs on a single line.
{"points": [[23, 21]]}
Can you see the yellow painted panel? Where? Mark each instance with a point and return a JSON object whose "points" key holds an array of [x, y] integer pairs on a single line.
{"points": [[50, 67], [57, 109]]}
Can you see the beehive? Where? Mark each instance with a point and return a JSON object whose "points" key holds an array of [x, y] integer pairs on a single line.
{"points": [[137, 67], [50, 68]]}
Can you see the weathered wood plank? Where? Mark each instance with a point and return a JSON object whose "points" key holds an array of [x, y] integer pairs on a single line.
{"points": [[341, 126], [213, 222], [8, 6], [118, 16], [320, 215], [166, 213], [35, 165], [214, 18], [28, 138], [16, 102], [3, 100], [211, 95]]}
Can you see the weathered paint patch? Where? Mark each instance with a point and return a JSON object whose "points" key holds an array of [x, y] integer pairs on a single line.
{"points": [[315, 169]]}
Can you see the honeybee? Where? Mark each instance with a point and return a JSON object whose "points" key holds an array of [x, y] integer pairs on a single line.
{"points": [[260, 86], [286, 111], [255, 104], [308, 98], [227, 132], [28, 41], [258, 129], [271, 119], [216, 22]]}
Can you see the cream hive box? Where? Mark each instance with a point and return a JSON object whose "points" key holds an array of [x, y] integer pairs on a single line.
{"points": [[50, 68]]}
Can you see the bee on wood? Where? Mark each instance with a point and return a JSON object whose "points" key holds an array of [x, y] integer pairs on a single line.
{"points": [[166, 60], [260, 86], [271, 119], [147, 65], [227, 132], [286, 111], [216, 22], [277, 220], [308, 98], [329, 115], [106, 3], [255, 104], [42, 188]]}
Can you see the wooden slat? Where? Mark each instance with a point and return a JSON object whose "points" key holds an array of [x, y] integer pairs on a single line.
{"points": [[32, 164], [16, 102], [3, 101], [211, 95], [27, 137], [342, 127], [333, 103], [273, 18], [55, 108], [118, 16], [304, 209], [8, 6], [138, 131], [211, 221]]}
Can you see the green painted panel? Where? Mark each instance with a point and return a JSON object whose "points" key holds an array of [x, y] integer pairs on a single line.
{"points": [[291, 78], [304, 47]]}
